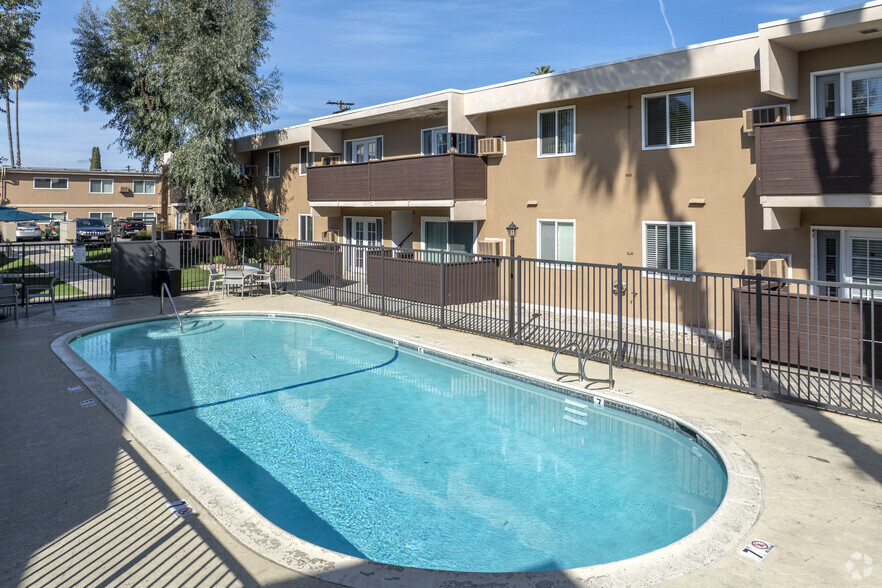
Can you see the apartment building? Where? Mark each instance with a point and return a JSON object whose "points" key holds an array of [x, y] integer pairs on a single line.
{"points": [[68, 194], [767, 144]]}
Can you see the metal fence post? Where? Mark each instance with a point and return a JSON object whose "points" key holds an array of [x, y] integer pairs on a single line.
{"points": [[294, 277], [519, 301], [442, 289], [620, 294], [511, 296], [759, 336], [334, 272], [382, 280]]}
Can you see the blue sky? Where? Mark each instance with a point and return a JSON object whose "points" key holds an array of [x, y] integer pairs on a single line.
{"points": [[369, 53]]}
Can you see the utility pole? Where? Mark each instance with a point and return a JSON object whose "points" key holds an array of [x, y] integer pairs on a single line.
{"points": [[341, 106]]}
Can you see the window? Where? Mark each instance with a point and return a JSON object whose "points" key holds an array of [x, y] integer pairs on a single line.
{"points": [[557, 240], [145, 215], [100, 186], [307, 159], [144, 186], [850, 255], [668, 120], [855, 90], [438, 141], [273, 164], [50, 183], [305, 229], [59, 216], [557, 131], [107, 217], [358, 150], [441, 234], [669, 246]]}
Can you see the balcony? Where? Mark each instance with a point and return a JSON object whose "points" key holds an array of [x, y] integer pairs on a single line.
{"points": [[839, 158], [436, 180]]}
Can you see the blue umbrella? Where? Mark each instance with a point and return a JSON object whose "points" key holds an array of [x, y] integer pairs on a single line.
{"points": [[14, 215], [244, 213]]}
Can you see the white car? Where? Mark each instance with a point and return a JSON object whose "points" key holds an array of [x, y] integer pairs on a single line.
{"points": [[29, 231]]}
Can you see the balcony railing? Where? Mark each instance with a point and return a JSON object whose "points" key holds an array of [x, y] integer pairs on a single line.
{"points": [[429, 178], [839, 155]]}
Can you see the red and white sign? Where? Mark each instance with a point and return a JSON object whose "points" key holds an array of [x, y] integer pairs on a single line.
{"points": [[180, 508], [757, 550]]}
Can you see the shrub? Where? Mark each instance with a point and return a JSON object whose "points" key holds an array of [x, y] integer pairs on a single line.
{"points": [[141, 236], [219, 259]]}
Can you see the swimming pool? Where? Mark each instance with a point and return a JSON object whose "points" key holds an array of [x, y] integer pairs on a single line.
{"points": [[379, 451]]}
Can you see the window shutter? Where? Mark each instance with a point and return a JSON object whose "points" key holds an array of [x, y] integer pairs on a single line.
{"points": [[682, 249], [546, 240], [547, 132], [379, 147], [656, 133], [565, 130], [680, 109], [566, 243]]}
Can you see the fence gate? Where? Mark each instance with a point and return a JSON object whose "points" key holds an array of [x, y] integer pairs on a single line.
{"points": [[134, 264]]}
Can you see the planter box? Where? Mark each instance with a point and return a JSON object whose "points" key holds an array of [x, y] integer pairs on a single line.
{"points": [[318, 263], [826, 333], [433, 282]]}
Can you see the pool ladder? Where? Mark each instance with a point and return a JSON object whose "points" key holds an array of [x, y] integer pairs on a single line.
{"points": [[164, 291], [582, 360]]}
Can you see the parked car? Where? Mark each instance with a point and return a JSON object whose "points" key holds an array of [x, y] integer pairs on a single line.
{"points": [[132, 226], [52, 232], [28, 231], [92, 229]]}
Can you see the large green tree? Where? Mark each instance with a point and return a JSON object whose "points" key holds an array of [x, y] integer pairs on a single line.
{"points": [[180, 76], [17, 21]]}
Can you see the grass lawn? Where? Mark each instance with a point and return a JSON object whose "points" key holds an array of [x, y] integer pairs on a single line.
{"points": [[194, 277], [16, 266], [98, 260]]}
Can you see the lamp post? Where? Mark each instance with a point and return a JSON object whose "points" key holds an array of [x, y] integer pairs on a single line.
{"points": [[512, 233]]}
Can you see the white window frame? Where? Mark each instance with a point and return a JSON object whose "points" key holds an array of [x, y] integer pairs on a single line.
{"points": [[51, 181], [144, 189], [144, 215], [844, 87], [446, 220], [101, 216], [269, 163], [845, 235], [649, 273], [667, 144], [300, 235], [539, 131], [49, 214], [303, 162], [102, 180], [433, 131], [544, 261], [364, 140]]}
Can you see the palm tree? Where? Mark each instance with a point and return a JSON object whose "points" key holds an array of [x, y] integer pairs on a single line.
{"points": [[542, 70], [9, 132], [18, 83]]}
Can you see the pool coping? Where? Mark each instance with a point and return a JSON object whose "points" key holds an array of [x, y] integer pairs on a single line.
{"points": [[717, 537]]}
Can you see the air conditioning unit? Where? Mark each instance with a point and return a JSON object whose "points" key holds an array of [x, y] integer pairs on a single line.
{"points": [[489, 247], [768, 266], [491, 146], [770, 114], [247, 170], [331, 160], [331, 236]]}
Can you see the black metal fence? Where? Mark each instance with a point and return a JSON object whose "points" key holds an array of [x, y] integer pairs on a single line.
{"points": [[812, 342]]}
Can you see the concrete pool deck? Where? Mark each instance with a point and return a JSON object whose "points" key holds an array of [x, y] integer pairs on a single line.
{"points": [[83, 502]]}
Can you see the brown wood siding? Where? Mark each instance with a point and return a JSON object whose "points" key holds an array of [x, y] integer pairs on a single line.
{"points": [[827, 333], [436, 177], [839, 155]]}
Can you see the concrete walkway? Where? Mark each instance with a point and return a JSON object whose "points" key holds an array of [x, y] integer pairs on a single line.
{"points": [[83, 503]]}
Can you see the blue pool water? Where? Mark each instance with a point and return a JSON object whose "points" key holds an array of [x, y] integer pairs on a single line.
{"points": [[382, 452]]}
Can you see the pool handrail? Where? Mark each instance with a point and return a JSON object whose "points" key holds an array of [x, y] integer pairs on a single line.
{"points": [[597, 352], [564, 348], [163, 291]]}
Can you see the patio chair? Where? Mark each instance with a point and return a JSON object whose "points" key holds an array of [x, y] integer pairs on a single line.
{"points": [[234, 277], [9, 297], [40, 291], [265, 278], [215, 278]]}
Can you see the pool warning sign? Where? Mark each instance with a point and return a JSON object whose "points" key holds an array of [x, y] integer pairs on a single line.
{"points": [[757, 550], [180, 509]]}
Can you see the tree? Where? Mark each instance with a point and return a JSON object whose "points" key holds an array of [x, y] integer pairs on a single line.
{"points": [[542, 70], [96, 159], [180, 76], [17, 20]]}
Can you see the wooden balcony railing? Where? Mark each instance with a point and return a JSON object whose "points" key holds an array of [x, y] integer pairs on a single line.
{"points": [[838, 155], [436, 177]]}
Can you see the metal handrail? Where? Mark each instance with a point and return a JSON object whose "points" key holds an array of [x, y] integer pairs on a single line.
{"points": [[165, 291], [564, 348], [595, 353]]}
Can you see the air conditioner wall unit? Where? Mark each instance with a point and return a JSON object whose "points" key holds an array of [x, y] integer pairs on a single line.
{"points": [[769, 267], [491, 146], [488, 247], [769, 114], [331, 160]]}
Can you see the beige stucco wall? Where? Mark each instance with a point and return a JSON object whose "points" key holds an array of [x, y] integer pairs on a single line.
{"points": [[76, 201]]}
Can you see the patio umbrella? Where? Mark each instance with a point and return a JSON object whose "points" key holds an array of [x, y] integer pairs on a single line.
{"points": [[15, 215], [244, 213]]}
